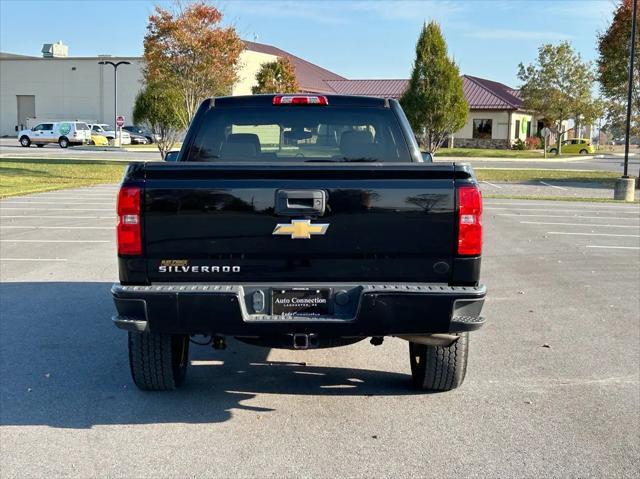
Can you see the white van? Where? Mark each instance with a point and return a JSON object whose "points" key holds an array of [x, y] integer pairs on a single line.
{"points": [[64, 133]]}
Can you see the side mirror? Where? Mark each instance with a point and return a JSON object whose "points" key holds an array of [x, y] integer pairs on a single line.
{"points": [[427, 157], [171, 156]]}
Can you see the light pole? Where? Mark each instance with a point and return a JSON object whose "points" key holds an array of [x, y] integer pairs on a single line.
{"points": [[624, 189], [115, 95]]}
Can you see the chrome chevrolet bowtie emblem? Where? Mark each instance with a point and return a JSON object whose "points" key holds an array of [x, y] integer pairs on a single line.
{"points": [[300, 229]]}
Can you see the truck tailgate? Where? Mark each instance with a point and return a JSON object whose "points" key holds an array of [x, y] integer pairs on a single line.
{"points": [[385, 222]]}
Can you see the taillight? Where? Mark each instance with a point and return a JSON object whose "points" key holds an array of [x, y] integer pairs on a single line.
{"points": [[129, 232], [469, 221], [300, 100]]}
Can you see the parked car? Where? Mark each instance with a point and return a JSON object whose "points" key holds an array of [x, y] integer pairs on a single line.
{"points": [[152, 137], [106, 130], [99, 140], [64, 133], [319, 244], [137, 139], [581, 146]]}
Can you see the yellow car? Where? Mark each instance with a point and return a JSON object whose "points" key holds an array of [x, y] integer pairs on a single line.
{"points": [[577, 145], [99, 140]]}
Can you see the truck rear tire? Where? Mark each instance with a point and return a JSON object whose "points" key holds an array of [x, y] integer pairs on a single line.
{"points": [[439, 368], [158, 361]]}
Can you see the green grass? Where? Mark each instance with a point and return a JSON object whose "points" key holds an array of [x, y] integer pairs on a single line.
{"points": [[522, 175], [24, 176], [492, 153]]}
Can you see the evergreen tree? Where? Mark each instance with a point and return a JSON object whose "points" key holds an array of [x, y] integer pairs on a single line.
{"points": [[434, 101]]}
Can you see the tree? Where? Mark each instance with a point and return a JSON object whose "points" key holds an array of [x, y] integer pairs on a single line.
{"points": [[276, 77], [558, 87], [157, 107], [434, 101], [190, 51], [613, 69]]}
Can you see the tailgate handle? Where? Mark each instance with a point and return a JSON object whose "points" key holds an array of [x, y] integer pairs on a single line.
{"points": [[300, 202]]}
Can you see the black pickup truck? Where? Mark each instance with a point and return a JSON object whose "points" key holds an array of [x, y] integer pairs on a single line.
{"points": [[299, 221]]}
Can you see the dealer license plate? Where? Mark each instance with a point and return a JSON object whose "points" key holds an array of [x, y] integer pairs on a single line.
{"points": [[300, 302]]}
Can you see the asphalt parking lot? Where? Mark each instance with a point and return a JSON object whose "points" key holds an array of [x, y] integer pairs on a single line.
{"points": [[552, 390]]}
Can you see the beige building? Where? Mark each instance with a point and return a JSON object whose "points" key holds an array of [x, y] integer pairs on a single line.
{"points": [[63, 88], [497, 117], [60, 87]]}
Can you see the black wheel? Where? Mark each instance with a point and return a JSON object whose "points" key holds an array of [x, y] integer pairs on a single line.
{"points": [[439, 368], [25, 141], [583, 152], [158, 361], [63, 142], [553, 151]]}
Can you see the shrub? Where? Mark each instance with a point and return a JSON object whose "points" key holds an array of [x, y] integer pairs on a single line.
{"points": [[533, 142], [518, 145]]}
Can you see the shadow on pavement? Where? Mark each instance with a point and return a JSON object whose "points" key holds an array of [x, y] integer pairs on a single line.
{"points": [[63, 364]]}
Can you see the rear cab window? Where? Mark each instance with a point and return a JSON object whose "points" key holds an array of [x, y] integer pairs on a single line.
{"points": [[274, 133]]}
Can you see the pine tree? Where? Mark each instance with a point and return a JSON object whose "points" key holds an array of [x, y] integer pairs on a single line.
{"points": [[434, 101]]}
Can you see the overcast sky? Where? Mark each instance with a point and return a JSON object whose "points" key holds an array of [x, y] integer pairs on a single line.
{"points": [[373, 39]]}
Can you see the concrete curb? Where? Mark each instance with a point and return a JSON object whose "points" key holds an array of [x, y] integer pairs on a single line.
{"points": [[114, 149]]}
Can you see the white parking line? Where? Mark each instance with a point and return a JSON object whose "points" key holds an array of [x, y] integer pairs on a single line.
{"points": [[590, 234], [73, 194], [53, 241], [577, 224], [59, 227], [553, 186], [13, 202], [569, 216], [560, 203], [32, 259], [53, 199], [490, 208], [40, 208], [59, 217], [491, 184], [59, 197], [614, 247]]}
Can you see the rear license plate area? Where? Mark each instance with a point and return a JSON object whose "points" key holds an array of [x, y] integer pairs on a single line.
{"points": [[300, 302]]}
